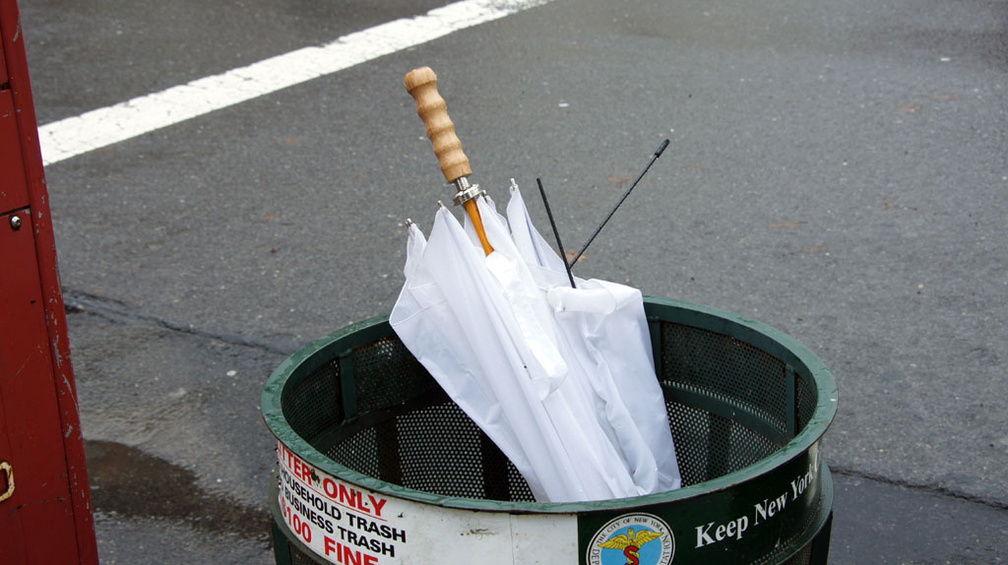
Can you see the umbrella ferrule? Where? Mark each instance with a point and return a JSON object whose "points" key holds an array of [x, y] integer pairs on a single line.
{"points": [[466, 191]]}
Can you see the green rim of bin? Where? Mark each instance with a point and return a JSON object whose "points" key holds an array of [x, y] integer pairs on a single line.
{"points": [[755, 333]]}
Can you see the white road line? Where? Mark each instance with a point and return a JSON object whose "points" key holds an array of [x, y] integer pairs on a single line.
{"points": [[106, 126]]}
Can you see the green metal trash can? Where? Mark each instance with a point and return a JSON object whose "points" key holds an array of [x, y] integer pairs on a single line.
{"points": [[377, 466]]}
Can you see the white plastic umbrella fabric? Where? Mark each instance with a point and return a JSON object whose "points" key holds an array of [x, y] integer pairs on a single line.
{"points": [[471, 344], [503, 338], [606, 325]]}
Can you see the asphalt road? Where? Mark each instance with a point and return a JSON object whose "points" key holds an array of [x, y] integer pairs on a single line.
{"points": [[838, 170]]}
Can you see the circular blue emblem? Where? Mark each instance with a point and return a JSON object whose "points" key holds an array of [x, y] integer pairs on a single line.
{"points": [[632, 539]]}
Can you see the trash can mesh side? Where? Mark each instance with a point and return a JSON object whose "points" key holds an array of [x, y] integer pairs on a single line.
{"points": [[729, 405], [386, 374], [805, 403], [313, 405], [709, 446], [437, 449], [727, 369]]}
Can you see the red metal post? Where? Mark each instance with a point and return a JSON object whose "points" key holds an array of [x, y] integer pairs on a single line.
{"points": [[45, 503]]}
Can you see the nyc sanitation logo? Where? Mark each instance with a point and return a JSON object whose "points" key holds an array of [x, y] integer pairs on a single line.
{"points": [[632, 539]]}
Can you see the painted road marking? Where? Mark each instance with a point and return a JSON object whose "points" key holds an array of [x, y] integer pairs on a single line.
{"points": [[106, 126]]}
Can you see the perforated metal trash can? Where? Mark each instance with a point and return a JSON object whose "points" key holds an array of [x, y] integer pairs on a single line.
{"points": [[376, 465]]}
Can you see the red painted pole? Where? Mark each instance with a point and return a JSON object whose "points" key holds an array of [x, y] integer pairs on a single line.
{"points": [[45, 501]]}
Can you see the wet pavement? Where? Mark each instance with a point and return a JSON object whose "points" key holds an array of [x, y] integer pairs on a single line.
{"points": [[837, 170], [129, 482]]}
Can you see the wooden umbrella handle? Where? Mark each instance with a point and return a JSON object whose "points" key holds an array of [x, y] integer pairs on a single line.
{"points": [[431, 107]]}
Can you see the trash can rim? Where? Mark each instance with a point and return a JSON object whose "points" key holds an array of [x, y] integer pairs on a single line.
{"points": [[769, 336]]}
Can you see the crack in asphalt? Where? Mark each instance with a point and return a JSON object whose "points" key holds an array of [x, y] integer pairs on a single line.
{"points": [[118, 311], [935, 490]]}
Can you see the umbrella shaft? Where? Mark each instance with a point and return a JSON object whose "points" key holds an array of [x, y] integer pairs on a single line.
{"points": [[474, 215]]}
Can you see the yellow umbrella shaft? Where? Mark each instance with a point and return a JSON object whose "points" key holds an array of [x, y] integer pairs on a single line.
{"points": [[474, 215]]}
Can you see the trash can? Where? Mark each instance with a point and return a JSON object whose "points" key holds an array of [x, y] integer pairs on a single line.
{"points": [[377, 466]]}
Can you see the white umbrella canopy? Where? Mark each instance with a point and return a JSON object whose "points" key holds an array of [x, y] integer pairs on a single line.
{"points": [[456, 318], [605, 327], [560, 378]]}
